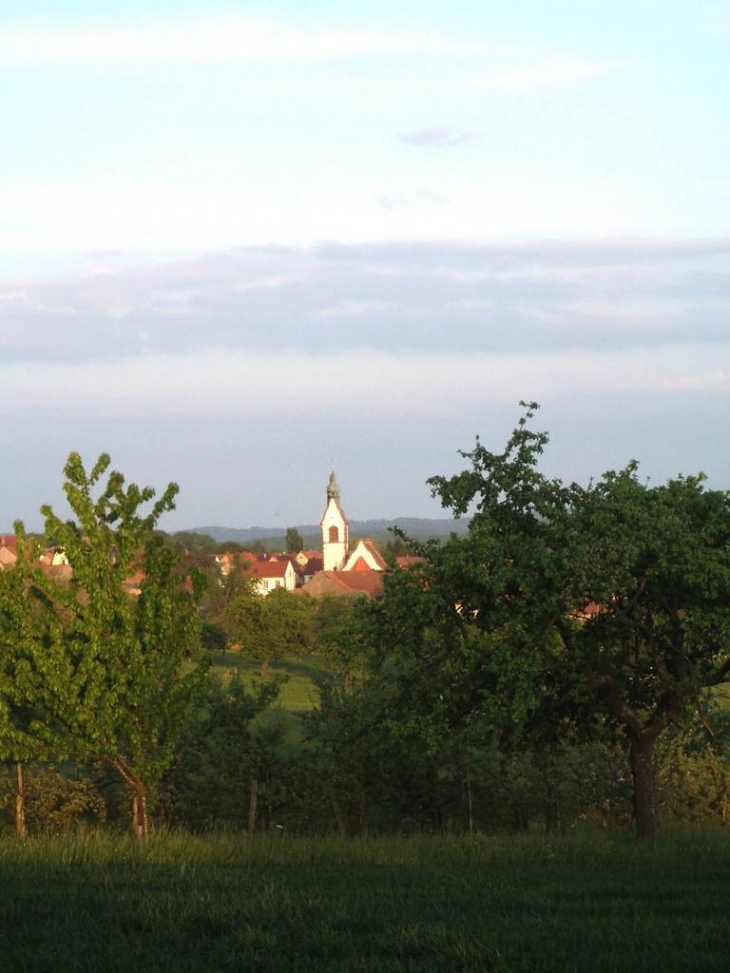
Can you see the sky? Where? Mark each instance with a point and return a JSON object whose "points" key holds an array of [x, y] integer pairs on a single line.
{"points": [[244, 243]]}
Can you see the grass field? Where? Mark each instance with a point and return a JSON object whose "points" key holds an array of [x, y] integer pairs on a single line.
{"points": [[298, 691], [222, 903]]}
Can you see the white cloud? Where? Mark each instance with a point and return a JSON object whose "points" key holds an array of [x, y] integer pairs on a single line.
{"points": [[236, 39], [220, 39]]}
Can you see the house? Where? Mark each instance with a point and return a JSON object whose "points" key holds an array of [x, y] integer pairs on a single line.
{"points": [[273, 573], [8, 551], [364, 557], [345, 584], [54, 557]]}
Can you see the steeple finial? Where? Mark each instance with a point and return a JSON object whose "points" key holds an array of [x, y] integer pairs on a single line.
{"points": [[333, 487]]}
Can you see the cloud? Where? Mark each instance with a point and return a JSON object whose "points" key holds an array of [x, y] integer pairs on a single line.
{"points": [[222, 38], [237, 39], [438, 137], [400, 299]]}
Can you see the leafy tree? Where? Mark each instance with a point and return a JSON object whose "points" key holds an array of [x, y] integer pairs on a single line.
{"points": [[337, 634], [611, 601], [222, 592], [99, 673], [294, 542], [23, 627], [55, 801], [268, 627], [210, 780]]}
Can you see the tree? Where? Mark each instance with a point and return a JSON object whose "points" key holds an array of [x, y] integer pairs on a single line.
{"points": [[337, 633], [210, 781], [608, 601], [294, 542], [652, 567], [268, 627], [105, 673]]}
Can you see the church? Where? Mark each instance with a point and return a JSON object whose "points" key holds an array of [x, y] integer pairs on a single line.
{"points": [[345, 572]]}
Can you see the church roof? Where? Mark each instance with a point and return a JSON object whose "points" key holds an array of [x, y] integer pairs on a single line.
{"points": [[346, 583], [365, 557]]}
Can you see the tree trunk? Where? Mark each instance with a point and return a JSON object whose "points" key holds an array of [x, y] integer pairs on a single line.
{"points": [[265, 669], [337, 810], [252, 802], [362, 809], [641, 757], [140, 819], [21, 828], [469, 798]]}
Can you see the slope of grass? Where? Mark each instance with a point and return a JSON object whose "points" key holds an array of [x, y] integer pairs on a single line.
{"points": [[427, 904], [298, 688]]}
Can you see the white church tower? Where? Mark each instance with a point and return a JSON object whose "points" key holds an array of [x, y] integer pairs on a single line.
{"points": [[335, 529]]}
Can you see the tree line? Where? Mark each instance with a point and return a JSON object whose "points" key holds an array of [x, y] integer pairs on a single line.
{"points": [[556, 662]]}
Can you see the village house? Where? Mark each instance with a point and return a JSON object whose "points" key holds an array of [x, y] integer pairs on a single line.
{"points": [[273, 573], [8, 551]]}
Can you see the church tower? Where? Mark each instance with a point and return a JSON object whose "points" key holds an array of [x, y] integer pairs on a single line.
{"points": [[335, 529]]}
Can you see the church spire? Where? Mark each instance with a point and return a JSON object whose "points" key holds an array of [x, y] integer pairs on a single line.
{"points": [[333, 487], [335, 529]]}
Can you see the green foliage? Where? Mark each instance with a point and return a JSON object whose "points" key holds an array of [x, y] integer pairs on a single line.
{"points": [[272, 626], [563, 611], [338, 634], [54, 802], [191, 542], [294, 542], [220, 753], [99, 673]]}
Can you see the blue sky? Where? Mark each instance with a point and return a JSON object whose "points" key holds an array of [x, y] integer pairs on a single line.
{"points": [[242, 242]]}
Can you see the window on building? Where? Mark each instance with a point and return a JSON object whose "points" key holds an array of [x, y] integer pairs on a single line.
{"points": [[334, 535]]}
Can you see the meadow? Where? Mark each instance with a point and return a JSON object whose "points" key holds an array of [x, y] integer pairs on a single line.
{"points": [[584, 902]]}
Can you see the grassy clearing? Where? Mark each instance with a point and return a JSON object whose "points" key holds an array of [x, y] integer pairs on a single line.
{"points": [[226, 902], [298, 692]]}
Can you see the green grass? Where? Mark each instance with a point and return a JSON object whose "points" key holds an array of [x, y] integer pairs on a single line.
{"points": [[298, 691], [188, 904]]}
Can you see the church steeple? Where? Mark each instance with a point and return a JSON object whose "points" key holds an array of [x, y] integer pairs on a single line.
{"points": [[333, 487], [335, 529]]}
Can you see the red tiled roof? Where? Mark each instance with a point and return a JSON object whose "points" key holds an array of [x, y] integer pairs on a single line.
{"points": [[269, 569], [291, 558], [589, 610], [351, 583]]}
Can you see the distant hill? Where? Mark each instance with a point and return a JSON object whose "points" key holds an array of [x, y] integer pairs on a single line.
{"points": [[420, 528]]}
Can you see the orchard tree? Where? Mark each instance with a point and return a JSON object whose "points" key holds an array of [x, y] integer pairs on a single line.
{"points": [[611, 600], [105, 674], [269, 627], [337, 634], [23, 625], [650, 583], [213, 777]]}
